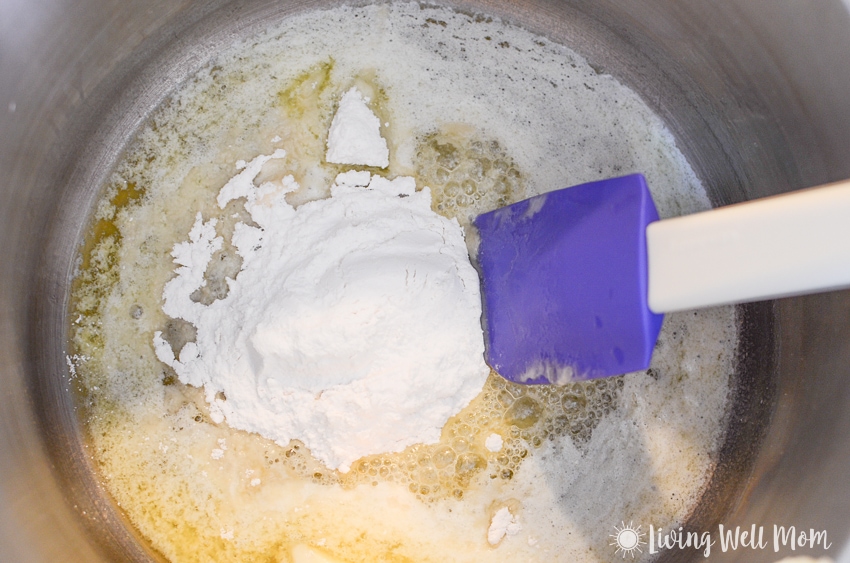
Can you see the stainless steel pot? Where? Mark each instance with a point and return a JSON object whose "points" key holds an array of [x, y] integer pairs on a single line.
{"points": [[756, 92]]}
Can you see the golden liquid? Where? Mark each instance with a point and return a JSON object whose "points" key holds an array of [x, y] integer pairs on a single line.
{"points": [[154, 442], [468, 175]]}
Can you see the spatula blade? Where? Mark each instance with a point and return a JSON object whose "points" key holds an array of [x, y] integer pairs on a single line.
{"points": [[564, 280]]}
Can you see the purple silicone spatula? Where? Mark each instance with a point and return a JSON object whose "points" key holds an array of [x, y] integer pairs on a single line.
{"points": [[575, 281]]}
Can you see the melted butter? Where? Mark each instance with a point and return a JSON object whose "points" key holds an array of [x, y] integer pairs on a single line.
{"points": [[523, 416], [202, 492], [467, 173]]}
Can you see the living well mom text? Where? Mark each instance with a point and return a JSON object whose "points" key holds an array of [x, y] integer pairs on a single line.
{"points": [[733, 539]]}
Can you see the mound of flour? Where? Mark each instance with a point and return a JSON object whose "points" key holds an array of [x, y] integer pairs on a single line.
{"points": [[355, 134], [353, 326]]}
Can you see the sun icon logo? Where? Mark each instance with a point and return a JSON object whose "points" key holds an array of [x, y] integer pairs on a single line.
{"points": [[628, 539]]}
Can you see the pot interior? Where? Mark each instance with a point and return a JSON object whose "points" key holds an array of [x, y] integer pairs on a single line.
{"points": [[754, 99]]}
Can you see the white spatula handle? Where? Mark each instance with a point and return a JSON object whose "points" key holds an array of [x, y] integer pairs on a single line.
{"points": [[774, 247]]}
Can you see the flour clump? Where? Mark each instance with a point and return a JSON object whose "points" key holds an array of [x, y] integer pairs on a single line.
{"points": [[353, 326], [503, 524], [355, 134]]}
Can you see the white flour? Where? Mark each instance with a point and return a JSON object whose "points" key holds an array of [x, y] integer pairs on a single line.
{"points": [[493, 443], [354, 325], [503, 524], [355, 134]]}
